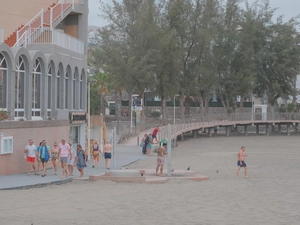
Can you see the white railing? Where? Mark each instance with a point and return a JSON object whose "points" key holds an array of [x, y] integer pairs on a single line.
{"points": [[58, 10], [67, 41], [20, 33], [51, 36], [188, 123], [42, 17], [1, 34]]}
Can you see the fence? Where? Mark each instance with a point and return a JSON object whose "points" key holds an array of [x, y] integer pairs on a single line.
{"points": [[198, 120]]}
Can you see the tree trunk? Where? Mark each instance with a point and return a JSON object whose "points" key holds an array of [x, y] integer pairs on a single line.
{"points": [[187, 105], [118, 100], [163, 110], [181, 104]]}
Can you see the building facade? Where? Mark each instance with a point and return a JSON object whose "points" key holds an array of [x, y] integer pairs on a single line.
{"points": [[43, 75]]}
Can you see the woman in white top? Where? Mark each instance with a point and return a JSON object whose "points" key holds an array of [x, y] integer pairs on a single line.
{"points": [[70, 161]]}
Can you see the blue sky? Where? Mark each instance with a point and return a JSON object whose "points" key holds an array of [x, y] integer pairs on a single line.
{"points": [[288, 8]]}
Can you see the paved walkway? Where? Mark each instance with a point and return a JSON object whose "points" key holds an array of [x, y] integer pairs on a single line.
{"points": [[125, 154]]}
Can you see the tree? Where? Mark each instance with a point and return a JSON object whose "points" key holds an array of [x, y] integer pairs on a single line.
{"points": [[276, 56]]}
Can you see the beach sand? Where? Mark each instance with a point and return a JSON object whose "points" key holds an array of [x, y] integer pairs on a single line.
{"points": [[270, 196]]}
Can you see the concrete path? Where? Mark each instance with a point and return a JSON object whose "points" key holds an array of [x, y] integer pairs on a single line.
{"points": [[125, 154]]}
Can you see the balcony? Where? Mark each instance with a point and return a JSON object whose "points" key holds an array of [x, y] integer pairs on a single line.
{"points": [[51, 36]]}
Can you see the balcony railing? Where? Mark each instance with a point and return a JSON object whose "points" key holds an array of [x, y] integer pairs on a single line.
{"points": [[51, 36], [45, 19]]}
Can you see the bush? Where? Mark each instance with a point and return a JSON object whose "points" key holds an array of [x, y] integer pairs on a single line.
{"points": [[4, 115], [155, 114]]}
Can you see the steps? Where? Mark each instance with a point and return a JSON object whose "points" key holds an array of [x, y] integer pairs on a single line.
{"points": [[11, 40], [42, 20]]}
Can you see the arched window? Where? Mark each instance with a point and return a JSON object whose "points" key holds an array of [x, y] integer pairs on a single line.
{"points": [[20, 88], [59, 87], [81, 91], [3, 82], [66, 89], [50, 77], [74, 90], [36, 88]]}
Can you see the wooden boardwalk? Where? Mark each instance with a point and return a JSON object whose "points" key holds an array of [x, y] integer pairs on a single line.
{"points": [[179, 129]]}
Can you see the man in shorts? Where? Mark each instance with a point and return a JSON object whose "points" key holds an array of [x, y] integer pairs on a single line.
{"points": [[31, 152], [161, 152], [154, 134], [107, 153], [63, 152], [241, 162]]}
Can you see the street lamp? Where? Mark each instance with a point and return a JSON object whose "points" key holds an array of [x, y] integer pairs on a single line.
{"points": [[132, 96], [89, 80], [174, 105]]}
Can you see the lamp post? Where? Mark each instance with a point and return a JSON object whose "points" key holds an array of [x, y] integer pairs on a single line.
{"points": [[174, 106], [132, 96], [89, 80]]}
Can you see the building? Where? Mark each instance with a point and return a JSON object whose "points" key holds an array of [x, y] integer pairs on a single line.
{"points": [[43, 76]]}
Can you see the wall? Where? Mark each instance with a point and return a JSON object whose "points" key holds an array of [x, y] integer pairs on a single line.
{"points": [[22, 131]]}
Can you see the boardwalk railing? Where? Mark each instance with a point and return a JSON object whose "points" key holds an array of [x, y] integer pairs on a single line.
{"points": [[193, 122]]}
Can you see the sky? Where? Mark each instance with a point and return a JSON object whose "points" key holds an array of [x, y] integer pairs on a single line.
{"points": [[288, 8]]}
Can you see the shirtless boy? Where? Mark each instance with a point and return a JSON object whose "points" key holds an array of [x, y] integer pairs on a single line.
{"points": [[241, 162], [107, 153]]}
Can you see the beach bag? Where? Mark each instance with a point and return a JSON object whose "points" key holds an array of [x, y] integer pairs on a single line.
{"points": [[84, 156], [142, 144], [47, 156]]}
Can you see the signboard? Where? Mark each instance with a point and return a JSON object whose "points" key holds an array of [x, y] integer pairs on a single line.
{"points": [[77, 117], [137, 108]]}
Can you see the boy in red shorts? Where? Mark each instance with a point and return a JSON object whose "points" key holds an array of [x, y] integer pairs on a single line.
{"points": [[31, 152]]}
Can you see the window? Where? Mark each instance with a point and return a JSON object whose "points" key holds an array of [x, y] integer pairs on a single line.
{"points": [[3, 82], [36, 88], [6, 145]]}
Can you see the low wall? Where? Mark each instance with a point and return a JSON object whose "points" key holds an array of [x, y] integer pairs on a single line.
{"points": [[22, 131]]}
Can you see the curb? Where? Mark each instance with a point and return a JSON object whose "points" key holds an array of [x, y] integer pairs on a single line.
{"points": [[40, 185]]}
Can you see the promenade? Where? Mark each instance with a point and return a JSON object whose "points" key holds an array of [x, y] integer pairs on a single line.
{"points": [[125, 154], [129, 151]]}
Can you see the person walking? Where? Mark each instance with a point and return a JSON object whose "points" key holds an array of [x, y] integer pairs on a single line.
{"points": [[63, 152], [96, 153], [70, 160], [149, 146], [31, 152], [107, 154], [80, 160], [38, 159], [241, 162], [154, 134], [44, 155], [54, 157], [161, 152]]}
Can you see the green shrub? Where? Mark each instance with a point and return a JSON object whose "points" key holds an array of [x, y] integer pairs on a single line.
{"points": [[155, 114]]}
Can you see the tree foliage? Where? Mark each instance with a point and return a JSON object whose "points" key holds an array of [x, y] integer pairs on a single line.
{"points": [[197, 47]]}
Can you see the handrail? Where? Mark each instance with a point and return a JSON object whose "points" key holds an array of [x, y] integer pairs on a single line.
{"points": [[53, 17], [212, 120], [61, 5], [28, 25]]}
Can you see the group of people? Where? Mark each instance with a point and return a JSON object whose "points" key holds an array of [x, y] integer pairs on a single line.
{"points": [[63, 152], [96, 151], [148, 141]]}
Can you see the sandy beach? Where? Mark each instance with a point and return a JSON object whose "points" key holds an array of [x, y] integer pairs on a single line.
{"points": [[270, 196]]}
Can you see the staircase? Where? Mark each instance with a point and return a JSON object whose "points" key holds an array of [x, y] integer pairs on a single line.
{"points": [[54, 14]]}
